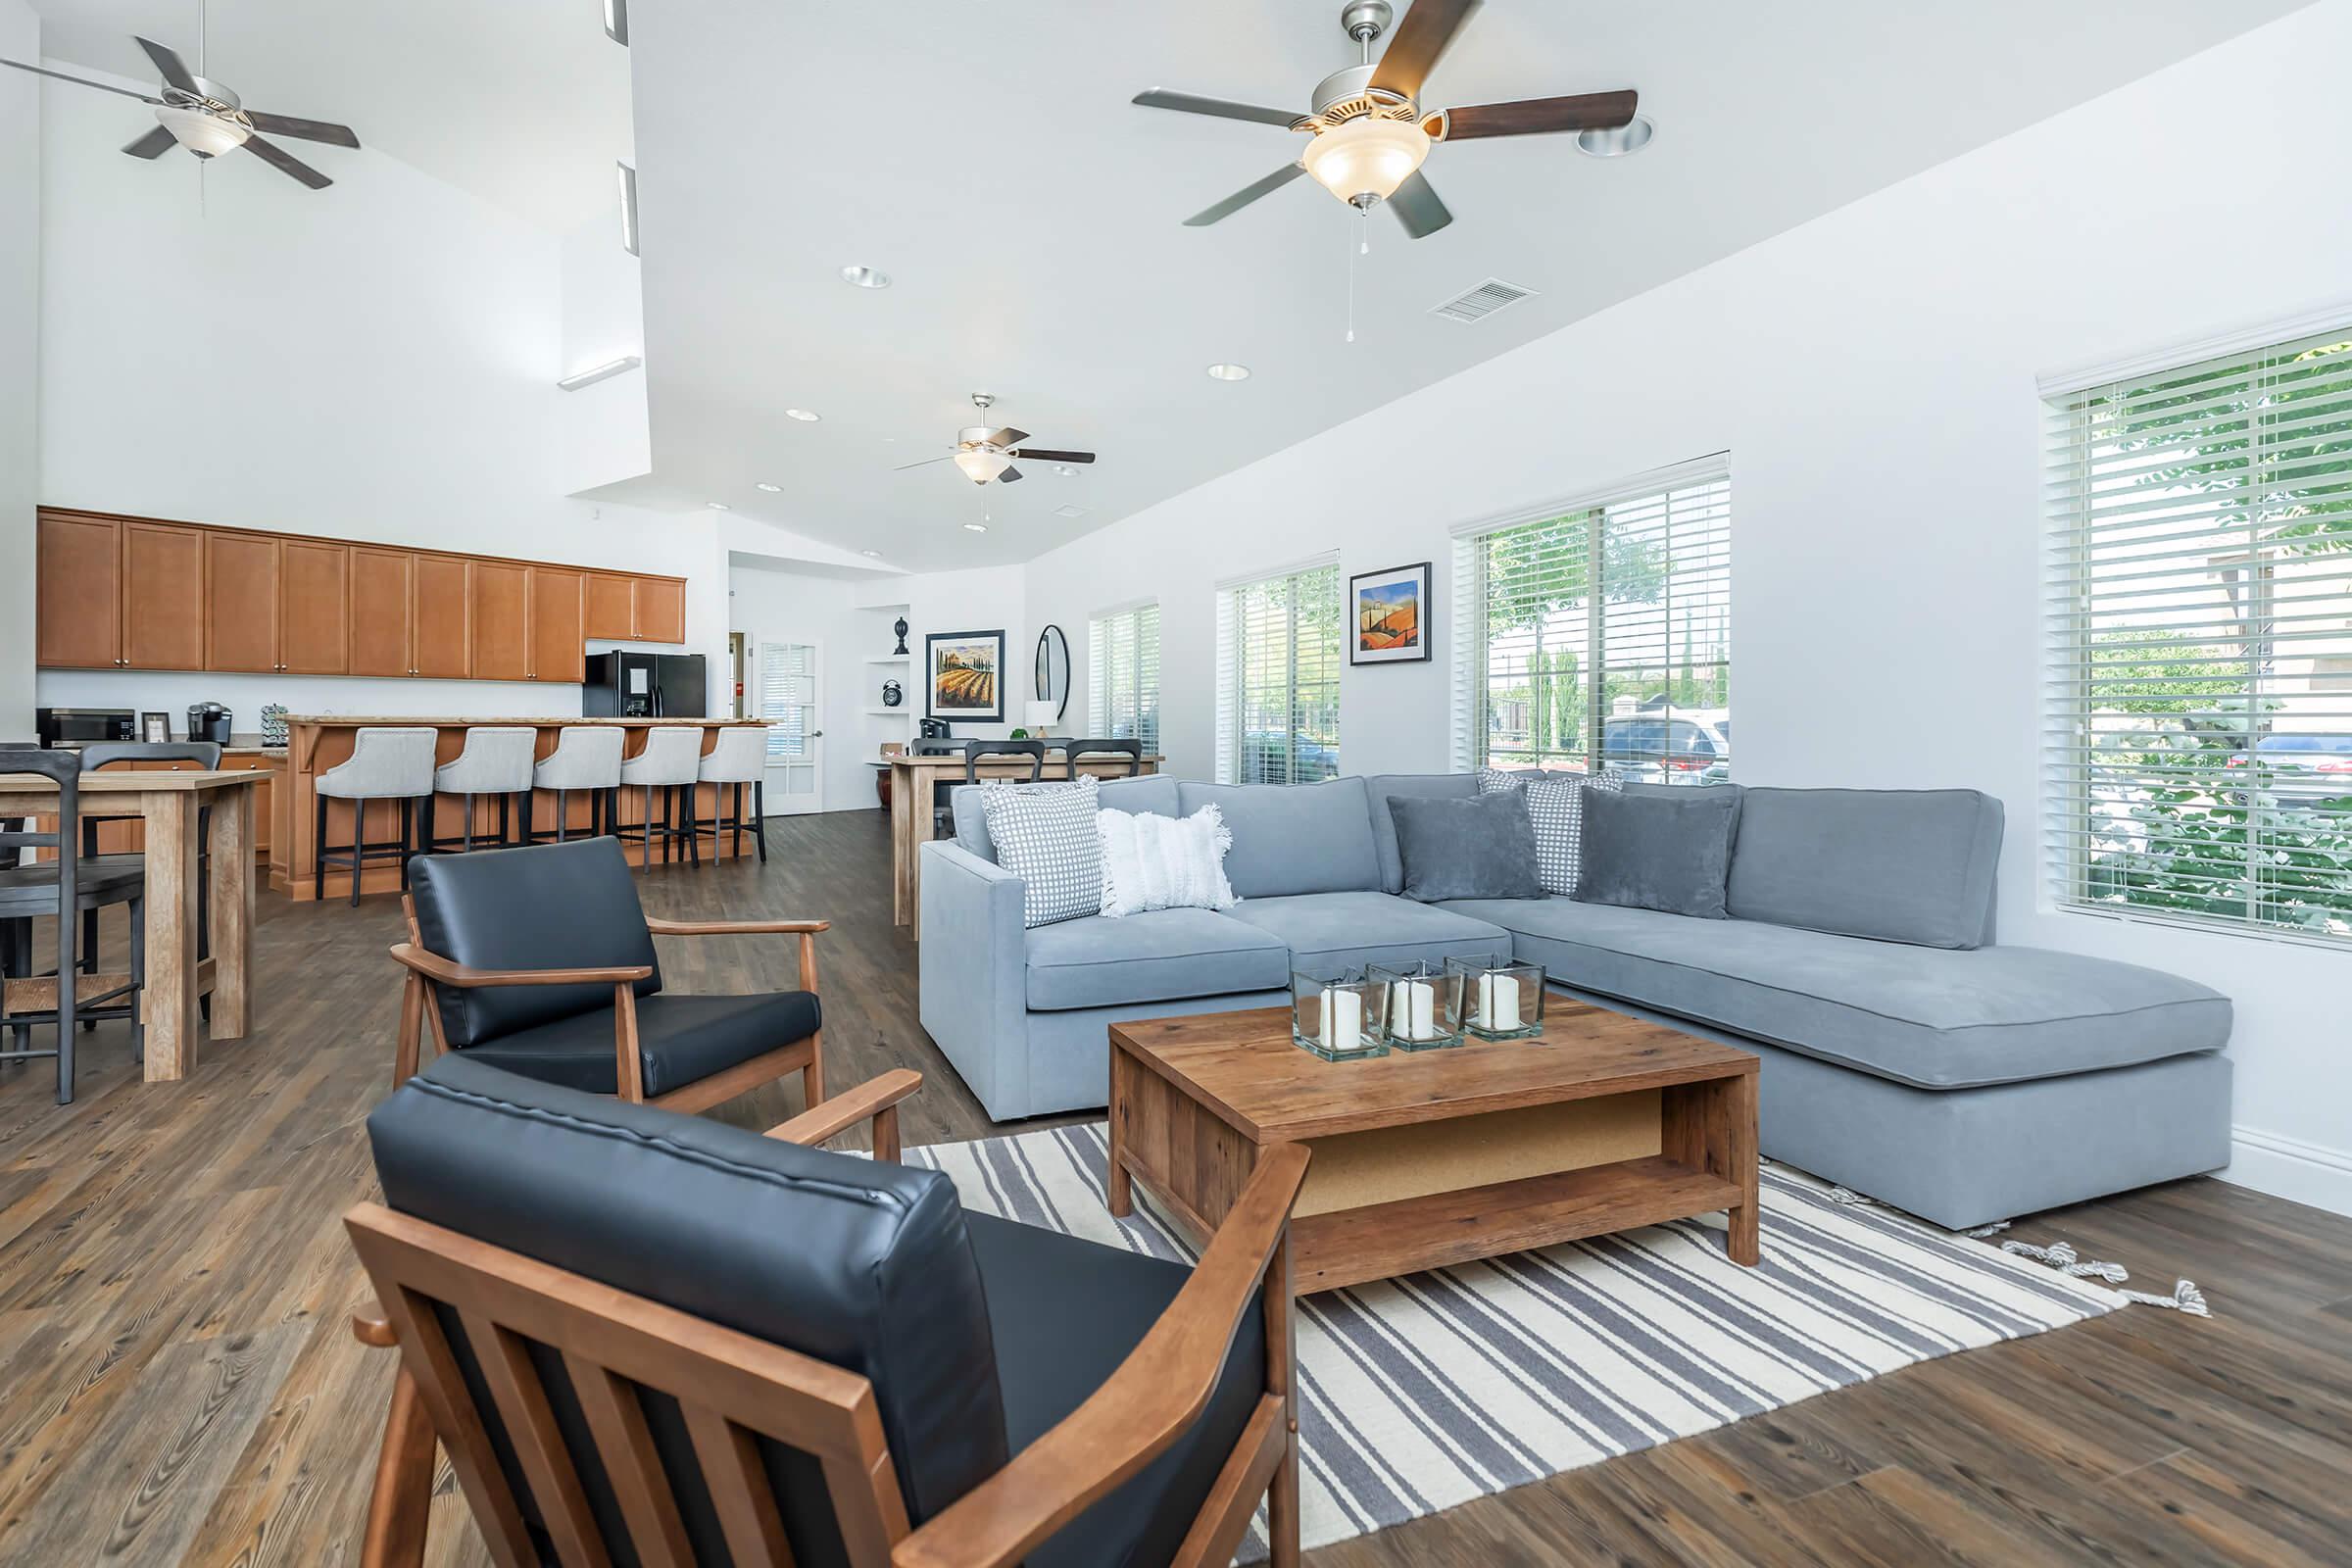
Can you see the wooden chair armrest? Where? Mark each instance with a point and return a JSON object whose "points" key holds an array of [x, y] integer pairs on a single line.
{"points": [[732, 928], [1145, 1406], [875, 1098], [441, 971], [369, 1326]]}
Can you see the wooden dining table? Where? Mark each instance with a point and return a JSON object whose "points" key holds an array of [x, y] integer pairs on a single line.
{"points": [[911, 780], [167, 804]]}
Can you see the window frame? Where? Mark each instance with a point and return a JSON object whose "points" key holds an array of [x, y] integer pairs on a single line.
{"points": [[1101, 722], [1232, 667]]}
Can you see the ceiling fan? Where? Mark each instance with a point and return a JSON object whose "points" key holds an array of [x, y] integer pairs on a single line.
{"points": [[208, 120], [1370, 133], [984, 454]]}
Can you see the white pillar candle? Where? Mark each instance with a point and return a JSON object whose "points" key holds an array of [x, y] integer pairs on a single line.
{"points": [[1498, 1003], [1412, 1009], [1343, 1019]]}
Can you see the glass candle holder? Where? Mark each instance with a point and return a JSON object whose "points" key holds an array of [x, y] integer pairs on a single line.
{"points": [[1500, 1001], [1424, 1005], [1337, 1018]]}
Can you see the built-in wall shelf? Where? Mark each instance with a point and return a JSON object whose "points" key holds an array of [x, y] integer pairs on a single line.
{"points": [[888, 713], [888, 658]]}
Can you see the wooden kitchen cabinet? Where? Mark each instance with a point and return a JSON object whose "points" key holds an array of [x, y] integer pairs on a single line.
{"points": [[611, 607], [440, 619], [661, 610], [162, 596], [558, 645], [240, 602], [313, 623], [501, 612], [635, 609], [78, 600], [382, 583]]}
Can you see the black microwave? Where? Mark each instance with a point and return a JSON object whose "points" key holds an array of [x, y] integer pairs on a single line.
{"points": [[79, 726]]}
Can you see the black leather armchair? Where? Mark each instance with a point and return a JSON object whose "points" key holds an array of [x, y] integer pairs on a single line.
{"points": [[540, 960], [649, 1337]]}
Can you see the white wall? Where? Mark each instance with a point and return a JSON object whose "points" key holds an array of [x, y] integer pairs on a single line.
{"points": [[20, 355], [772, 606], [376, 361], [1873, 375], [602, 433], [981, 599]]}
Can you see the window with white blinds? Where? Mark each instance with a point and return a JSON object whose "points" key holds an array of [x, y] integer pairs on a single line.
{"points": [[2199, 725], [1122, 676], [1278, 678], [1599, 634], [787, 692]]}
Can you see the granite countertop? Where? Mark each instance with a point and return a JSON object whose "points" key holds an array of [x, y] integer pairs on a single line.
{"points": [[354, 721]]}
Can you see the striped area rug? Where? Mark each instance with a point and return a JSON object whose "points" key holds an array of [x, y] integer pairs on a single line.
{"points": [[1419, 1394]]}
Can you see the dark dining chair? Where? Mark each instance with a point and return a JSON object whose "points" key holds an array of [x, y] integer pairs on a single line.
{"points": [[1127, 747], [942, 794], [205, 755], [540, 960], [646, 1338], [63, 887]]}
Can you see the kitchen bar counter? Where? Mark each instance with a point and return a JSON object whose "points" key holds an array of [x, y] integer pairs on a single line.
{"points": [[316, 742]]}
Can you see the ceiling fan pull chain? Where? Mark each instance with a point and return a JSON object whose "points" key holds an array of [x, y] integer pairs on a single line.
{"points": [[1353, 253]]}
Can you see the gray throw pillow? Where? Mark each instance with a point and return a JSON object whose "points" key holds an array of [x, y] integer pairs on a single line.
{"points": [[1669, 850], [1479, 847], [1046, 835]]}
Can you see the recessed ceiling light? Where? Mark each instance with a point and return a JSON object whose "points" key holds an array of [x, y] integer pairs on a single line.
{"points": [[803, 414], [975, 527], [1069, 512], [875, 553], [865, 276], [1230, 372], [719, 506], [771, 489], [1630, 137], [1064, 470]]}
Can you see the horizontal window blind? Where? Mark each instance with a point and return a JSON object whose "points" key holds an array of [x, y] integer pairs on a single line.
{"points": [[786, 690], [1278, 678], [2198, 716], [1600, 635], [1122, 687]]}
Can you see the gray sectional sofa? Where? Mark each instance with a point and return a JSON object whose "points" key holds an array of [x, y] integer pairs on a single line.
{"points": [[1905, 1054]]}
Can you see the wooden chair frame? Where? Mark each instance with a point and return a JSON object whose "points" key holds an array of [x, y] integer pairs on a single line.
{"points": [[427, 969], [734, 1388]]}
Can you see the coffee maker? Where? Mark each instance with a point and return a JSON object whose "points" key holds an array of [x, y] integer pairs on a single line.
{"points": [[930, 735], [208, 721]]}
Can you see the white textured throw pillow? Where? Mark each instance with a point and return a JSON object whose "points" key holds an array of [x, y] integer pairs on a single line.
{"points": [[1044, 835], [1555, 805], [1164, 862]]}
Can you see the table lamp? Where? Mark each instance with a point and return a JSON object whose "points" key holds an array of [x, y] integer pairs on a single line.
{"points": [[1041, 715]]}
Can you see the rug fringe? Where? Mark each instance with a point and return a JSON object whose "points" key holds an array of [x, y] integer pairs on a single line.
{"points": [[1978, 1232], [2185, 1298]]}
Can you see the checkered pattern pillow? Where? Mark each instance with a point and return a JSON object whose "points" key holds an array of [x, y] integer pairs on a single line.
{"points": [[1045, 834], [1495, 780], [1555, 804]]}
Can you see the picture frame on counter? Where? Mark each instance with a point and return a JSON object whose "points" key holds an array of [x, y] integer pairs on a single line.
{"points": [[155, 728]]}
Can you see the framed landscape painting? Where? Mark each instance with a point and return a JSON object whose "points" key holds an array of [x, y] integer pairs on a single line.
{"points": [[966, 675], [1391, 616]]}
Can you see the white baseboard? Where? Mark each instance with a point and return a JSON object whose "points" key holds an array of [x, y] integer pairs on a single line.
{"points": [[2289, 1167]]}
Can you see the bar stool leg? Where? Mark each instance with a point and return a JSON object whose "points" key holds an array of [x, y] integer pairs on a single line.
{"points": [[506, 828], [759, 818], [359, 836], [646, 832], [138, 979], [408, 838], [530, 798], [563, 817], [468, 834], [694, 839], [318, 859]]}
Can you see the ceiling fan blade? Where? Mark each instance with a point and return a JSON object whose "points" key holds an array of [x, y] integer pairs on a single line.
{"points": [[1043, 454], [269, 152], [1007, 437], [84, 82], [1244, 196], [1536, 117], [1185, 103], [925, 464], [1420, 38], [168, 62], [307, 129], [1010, 476], [154, 144], [1416, 206]]}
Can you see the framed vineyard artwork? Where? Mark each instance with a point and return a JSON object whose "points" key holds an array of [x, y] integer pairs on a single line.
{"points": [[967, 669]]}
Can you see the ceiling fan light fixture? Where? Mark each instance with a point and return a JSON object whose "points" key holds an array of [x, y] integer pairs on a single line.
{"points": [[803, 414], [206, 135], [982, 463], [1228, 372], [1616, 142], [1365, 159], [771, 489], [975, 527]]}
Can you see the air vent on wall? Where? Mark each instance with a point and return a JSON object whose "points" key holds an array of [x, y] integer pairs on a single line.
{"points": [[1480, 302]]}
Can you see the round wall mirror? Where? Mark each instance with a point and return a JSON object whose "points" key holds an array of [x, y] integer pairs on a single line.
{"points": [[1054, 670]]}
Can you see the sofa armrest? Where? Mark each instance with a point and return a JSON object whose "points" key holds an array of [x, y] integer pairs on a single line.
{"points": [[973, 973]]}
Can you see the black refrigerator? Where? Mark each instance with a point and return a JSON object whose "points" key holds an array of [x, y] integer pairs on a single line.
{"points": [[633, 685]]}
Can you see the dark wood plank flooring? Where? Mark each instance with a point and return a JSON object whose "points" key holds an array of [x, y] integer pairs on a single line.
{"points": [[178, 1382]]}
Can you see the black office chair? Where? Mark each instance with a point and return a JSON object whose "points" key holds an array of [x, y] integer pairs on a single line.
{"points": [[29, 891], [540, 960], [647, 1338], [205, 755], [1130, 748], [942, 805]]}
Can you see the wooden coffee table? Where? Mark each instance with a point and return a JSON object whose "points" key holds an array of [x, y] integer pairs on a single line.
{"points": [[1424, 1159]]}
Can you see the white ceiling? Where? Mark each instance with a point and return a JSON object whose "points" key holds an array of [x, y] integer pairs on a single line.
{"points": [[987, 156], [523, 103]]}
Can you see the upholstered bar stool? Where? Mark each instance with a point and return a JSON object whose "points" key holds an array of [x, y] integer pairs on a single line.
{"points": [[497, 760], [739, 758], [672, 758], [385, 764], [587, 756]]}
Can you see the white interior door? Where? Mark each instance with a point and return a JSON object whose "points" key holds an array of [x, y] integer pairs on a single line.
{"points": [[791, 688]]}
